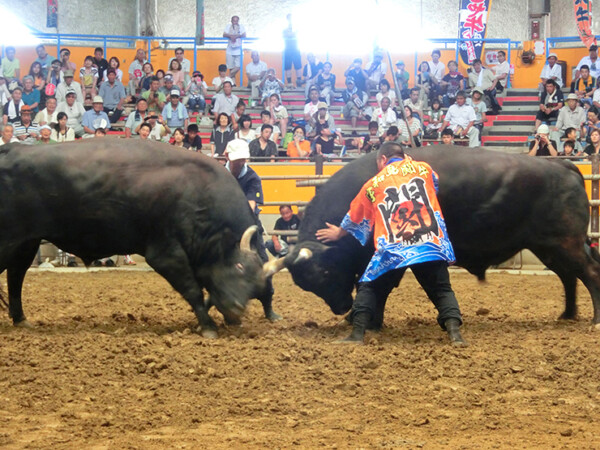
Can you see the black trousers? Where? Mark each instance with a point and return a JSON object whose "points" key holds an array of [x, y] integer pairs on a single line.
{"points": [[432, 276]]}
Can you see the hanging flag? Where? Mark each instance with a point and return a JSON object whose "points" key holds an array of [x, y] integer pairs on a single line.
{"points": [[200, 22], [472, 24], [583, 20], [52, 14]]}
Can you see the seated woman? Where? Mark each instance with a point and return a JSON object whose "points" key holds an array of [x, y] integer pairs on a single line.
{"points": [[240, 110], [385, 90], [299, 147], [113, 63], [326, 83], [61, 132], [179, 139], [221, 135], [177, 73], [414, 126], [88, 76], [245, 130], [424, 83]]}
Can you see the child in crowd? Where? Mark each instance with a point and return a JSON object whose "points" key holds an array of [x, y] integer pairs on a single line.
{"points": [[447, 137], [569, 149], [478, 104], [217, 82], [436, 119], [571, 135], [192, 138], [196, 91], [279, 113]]}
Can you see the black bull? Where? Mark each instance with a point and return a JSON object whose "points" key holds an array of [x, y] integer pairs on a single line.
{"points": [[494, 205], [183, 211]]}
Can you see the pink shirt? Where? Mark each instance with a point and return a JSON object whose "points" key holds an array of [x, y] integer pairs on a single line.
{"points": [[177, 77]]}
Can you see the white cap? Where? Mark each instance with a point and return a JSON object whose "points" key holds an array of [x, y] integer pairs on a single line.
{"points": [[175, 92], [237, 149], [543, 129]]}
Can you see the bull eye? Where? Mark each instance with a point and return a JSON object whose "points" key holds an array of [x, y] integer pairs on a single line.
{"points": [[326, 272], [240, 267]]}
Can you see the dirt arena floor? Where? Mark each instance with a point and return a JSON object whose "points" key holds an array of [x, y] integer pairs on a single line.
{"points": [[114, 362]]}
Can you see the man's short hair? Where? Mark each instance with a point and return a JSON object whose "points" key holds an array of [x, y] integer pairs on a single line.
{"points": [[393, 131], [265, 113], [40, 46], [227, 82], [502, 52], [585, 66], [415, 89], [475, 61], [222, 67], [10, 47], [373, 124], [147, 125], [390, 149], [141, 99], [266, 126], [192, 127], [462, 94], [569, 143], [179, 49], [55, 61], [436, 52], [65, 50], [9, 125], [99, 49], [447, 132], [569, 131], [153, 78], [276, 95], [111, 70], [282, 207], [100, 131]]}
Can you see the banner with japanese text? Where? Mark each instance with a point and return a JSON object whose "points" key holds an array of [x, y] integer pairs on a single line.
{"points": [[583, 20], [52, 14], [472, 24]]}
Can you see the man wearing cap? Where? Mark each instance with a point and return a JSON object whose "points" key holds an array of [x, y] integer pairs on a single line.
{"points": [[8, 132], [551, 71], [484, 78], [226, 101], [44, 138], [95, 117], [376, 70], [542, 145], [74, 111], [135, 71], [402, 77], [358, 74], [591, 61], [571, 115], [460, 118], [12, 109], [320, 119], [175, 113], [26, 129], [113, 94], [47, 116], [154, 96], [69, 84], [168, 87], [355, 103], [551, 102], [255, 72]]}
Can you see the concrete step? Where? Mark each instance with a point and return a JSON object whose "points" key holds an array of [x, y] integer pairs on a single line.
{"points": [[519, 110]]}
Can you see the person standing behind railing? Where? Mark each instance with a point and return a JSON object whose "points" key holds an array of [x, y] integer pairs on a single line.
{"points": [[234, 32], [291, 54]]}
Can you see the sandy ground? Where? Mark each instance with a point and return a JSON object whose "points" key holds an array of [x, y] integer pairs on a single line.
{"points": [[113, 362]]}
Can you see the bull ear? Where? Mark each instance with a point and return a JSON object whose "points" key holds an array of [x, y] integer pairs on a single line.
{"points": [[247, 237]]}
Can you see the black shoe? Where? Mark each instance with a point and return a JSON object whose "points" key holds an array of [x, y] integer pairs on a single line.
{"points": [[109, 263], [453, 329], [72, 264]]}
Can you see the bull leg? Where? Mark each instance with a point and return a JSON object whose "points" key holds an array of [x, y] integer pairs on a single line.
{"points": [[591, 279], [267, 302], [15, 275], [170, 261]]}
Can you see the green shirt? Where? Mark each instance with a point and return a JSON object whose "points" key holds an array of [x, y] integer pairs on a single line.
{"points": [[9, 67], [161, 99], [51, 141]]}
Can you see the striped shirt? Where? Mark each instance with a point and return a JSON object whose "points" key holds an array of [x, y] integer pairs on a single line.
{"points": [[21, 130]]}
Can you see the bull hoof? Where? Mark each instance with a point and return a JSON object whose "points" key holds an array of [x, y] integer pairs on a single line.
{"points": [[459, 343], [208, 333], [234, 321], [596, 327], [273, 316], [567, 316], [24, 324]]}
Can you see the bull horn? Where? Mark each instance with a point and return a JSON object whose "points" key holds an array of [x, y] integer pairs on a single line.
{"points": [[303, 255], [270, 268], [247, 237]]}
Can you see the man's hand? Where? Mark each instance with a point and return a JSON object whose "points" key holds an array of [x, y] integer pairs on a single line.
{"points": [[330, 234]]}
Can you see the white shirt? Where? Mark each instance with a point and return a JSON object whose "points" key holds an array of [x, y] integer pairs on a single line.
{"points": [[13, 139], [74, 113], [62, 88], [437, 70], [310, 109], [460, 116], [378, 73], [256, 69], [549, 72], [234, 48], [224, 104], [390, 94], [217, 82], [384, 119], [588, 61], [503, 68], [42, 117]]}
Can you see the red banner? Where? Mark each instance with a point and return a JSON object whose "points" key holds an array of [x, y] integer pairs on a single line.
{"points": [[583, 20]]}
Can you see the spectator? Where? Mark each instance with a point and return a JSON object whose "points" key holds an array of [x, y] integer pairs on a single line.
{"points": [[369, 142], [437, 69], [192, 138], [571, 115], [591, 61], [436, 119], [158, 129], [74, 111], [590, 124], [542, 145], [69, 85], [135, 72], [113, 94], [326, 83], [136, 118], [376, 70], [311, 106], [267, 119], [385, 116], [179, 139], [448, 137], [160, 74], [88, 75], [414, 128], [424, 83], [326, 141], [100, 63], [175, 113], [154, 96], [144, 130], [402, 77], [245, 131], [186, 66], [31, 96], [571, 135], [8, 132], [221, 135], [39, 78], [11, 67], [321, 119], [240, 110], [279, 113], [217, 82], [584, 86], [12, 109], [594, 146], [167, 87], [355, 100], [551, 71], [234, 32], [483, 78], [26, 130], [312, 69], [569, 149], [278, 245], [358, 75], [299, 146], [478, 104], [196, 93], [255, 72], [551, 102], [44, 59], [148, 74], [291, 54], [415, 102], [114, 63], [385, 91], [65, 64], [4, 93], [461, 118], [263, 146], [451, 83], [226, 101], [392, 135], [95, 118], [100, 132], [61, 131], [49, 115], [55, 74], [177, 74], [501, 70], [270, 85], [45, 136]]}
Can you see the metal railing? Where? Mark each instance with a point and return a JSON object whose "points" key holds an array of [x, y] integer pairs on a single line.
{"points": [[552, 41]]}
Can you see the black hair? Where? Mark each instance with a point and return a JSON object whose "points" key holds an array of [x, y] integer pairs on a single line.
{"points": [[436, 52], [193, 128], [461, 94], [410, 109], [570, 144], [99, 49], [372, 124], [244, 118], [415, 89], [179, 49], [265, 113], [114, 58], [285, 206], [385, 82], [240, 103], [298, 127], [585, 66], [502, 51], [145, 124], [100, 130], [393, 131], [62, 50], [390, 149], [266, 126], [219, 119], [180, 130], [154, 78], [141, 99], [55, 61], [227, 82], [475, 61], [447, 132], [61, 115], [222, 68], [568, 131]]}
